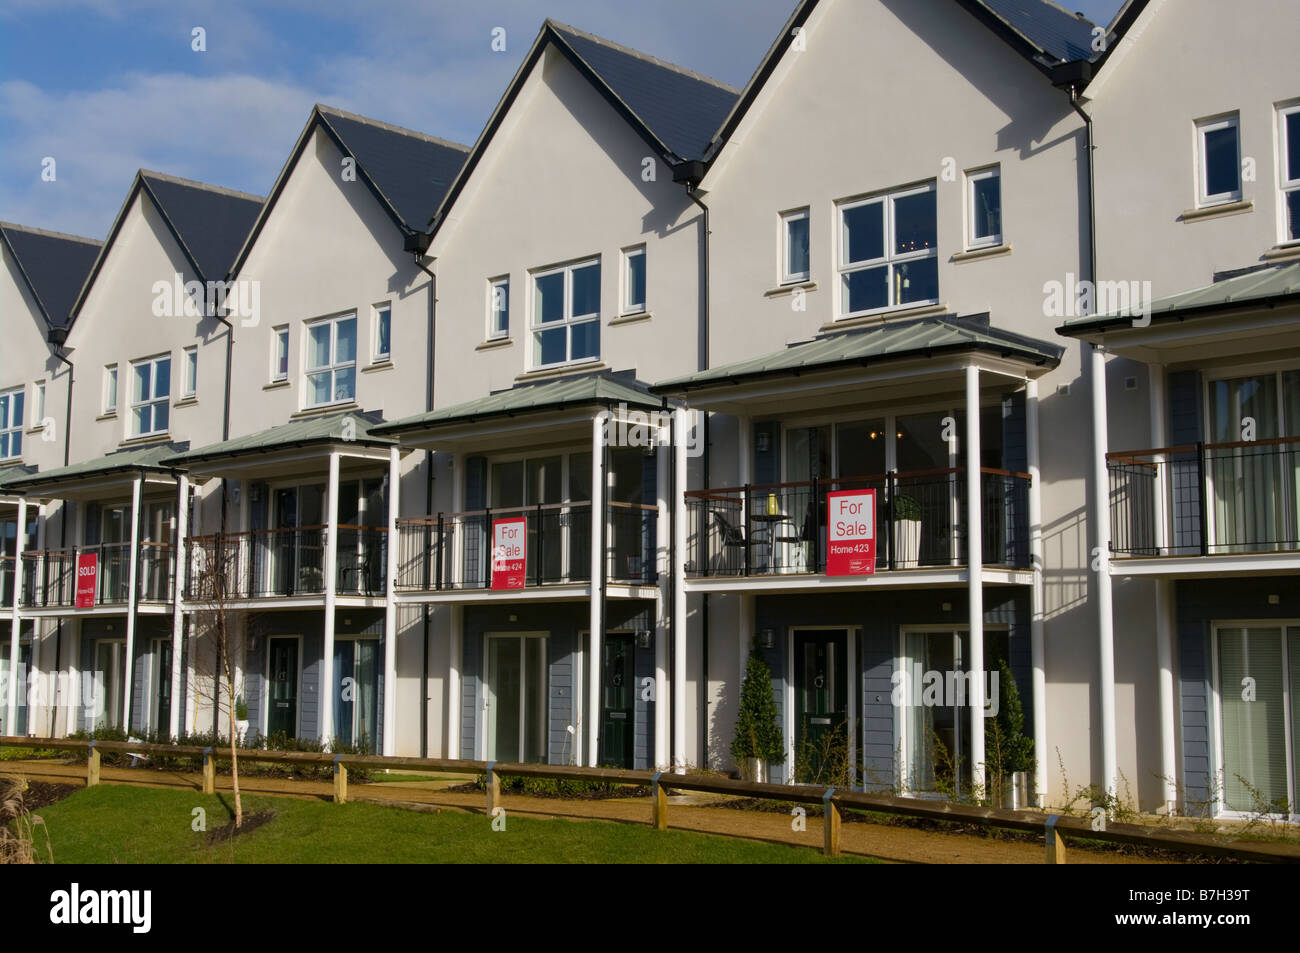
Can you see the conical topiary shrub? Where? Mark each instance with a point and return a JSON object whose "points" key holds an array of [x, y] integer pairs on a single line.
{"points": [[757, 735]]}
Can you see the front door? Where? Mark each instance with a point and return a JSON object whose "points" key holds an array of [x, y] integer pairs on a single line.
{"points": [[514, 698], [821, 716], [282, 673], [162, 685], [616, 692]]}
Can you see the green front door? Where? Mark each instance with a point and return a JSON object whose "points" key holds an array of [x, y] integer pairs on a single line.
{"points": [[617, 684], [821, 718], [282, 713]]}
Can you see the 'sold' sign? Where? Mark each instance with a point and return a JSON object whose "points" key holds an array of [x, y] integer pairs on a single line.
{"points": [[851, 533], [509, 552], [87, 576]]}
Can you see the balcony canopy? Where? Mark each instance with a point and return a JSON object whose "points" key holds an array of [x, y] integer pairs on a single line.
{"points": [[891, 361], [1239, 314], [16, 472], [92, 477]]}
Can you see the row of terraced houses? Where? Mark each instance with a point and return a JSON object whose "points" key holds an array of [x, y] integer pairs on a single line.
{"points": [[1035, 282]]}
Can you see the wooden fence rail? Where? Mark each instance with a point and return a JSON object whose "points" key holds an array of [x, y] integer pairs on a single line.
{"points": [[833, 800]]}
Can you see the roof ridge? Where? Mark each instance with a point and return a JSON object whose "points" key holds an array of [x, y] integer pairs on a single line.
{"points": [[647, 57], [196, 184], [392, 127], [33, 230]]}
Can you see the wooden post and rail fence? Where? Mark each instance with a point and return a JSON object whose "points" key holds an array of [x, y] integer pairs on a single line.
{"points": [[834, 801]]}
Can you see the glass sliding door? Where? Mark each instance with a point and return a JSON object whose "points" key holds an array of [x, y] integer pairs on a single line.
{"points": [[109, 688], [22, 673], [926, 490], [356, 706], [1257, 672], [514, 698], [1248, 488]]}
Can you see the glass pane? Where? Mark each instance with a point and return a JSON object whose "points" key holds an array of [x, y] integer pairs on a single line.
{"points": [[916, 281], [1293, 215], [4, 447], [318, 346], [808, 454], [501, 307], [16, 407], [318, 387], [1293, 681], [866, 290], [140, 422], [915, 227], [160, 415], [636, 281], [1221, 168], [586, 290], [1254, 727], [345, 383], [507, 484], [382, 346], [920, 442], [345, 654], [534, 701], [347, 342], [366, 699], [580, 476], [1247, 482], [987, 213], [548, 303], [797, 246], [864, 233], [162, 378], [15, 443], [311, 505], [549, 346], [505, 676], [140, 383], [544, 481], [586, 340], [1293, 147], [191, 371], [861, 448], [4, 411]]}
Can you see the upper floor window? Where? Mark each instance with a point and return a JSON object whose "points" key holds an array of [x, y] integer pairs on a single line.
{"points": [[332, 360], [796, 263], [151, 387], [984, 211], [11, 424], [634, 280], [499, 308], [190, 373], [566, 314], [383, 333], [38, 404], [1219, 144], [280, 353], [1289, 141], [889, 254], [110, 389]]}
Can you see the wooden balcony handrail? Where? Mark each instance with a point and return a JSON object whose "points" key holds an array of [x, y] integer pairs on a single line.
{"points": [[826, 481], [645, 507], [1132, 456]]}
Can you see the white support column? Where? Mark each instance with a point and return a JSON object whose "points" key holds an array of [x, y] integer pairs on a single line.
{"points": [[178, 615], [390, 607], [11, 701], [744, 474], [1164, 607], [1105, 617], [456, 617], [975, 565], [128, 695], [683, 423], [1037, 639], [599, 491], [666, 565], [46, 694], [325, 703]]}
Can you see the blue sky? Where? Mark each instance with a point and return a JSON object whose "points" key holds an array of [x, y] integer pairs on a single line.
{"points": [[109, 86]]}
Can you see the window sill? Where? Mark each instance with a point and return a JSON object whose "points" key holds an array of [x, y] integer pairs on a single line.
{"points": [[324, 410], [275, 385], [634, 317], [1283, 252], [564, 371], [377, 366], [880, 317], [186, 402], [491, 344], [146, 439], [975, 254], [1221, 210], [112, 415], [788, 288]]}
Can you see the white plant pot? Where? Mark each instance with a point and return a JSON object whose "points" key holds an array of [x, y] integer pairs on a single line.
{"points": [[907, 543], [241, 731]]}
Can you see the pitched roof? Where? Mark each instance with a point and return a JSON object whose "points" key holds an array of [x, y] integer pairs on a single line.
{"points": [[1256, 288], [15, 472], [53, 265], [150, 457], [314, 430], [585, 390], [922, 337]]}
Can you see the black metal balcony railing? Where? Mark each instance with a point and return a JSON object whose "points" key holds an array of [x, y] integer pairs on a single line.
{"points": [[49, 576], [1206, 499], [8, 581], [284, 562], [920, 522], [453, 550], [362, 560]]}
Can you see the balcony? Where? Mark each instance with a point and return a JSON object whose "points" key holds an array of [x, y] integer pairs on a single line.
{"points": [[452, 551], [780, 529], [278, 563], [1206, 499], [49, 576]]}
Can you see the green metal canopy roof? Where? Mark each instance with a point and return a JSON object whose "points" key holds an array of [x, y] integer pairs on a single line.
{"points": [[151, 457], [313, 430], [531, 398], [15, 472], [1256, 288], [923, 337]]}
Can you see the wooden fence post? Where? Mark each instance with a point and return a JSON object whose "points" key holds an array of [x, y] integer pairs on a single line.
{"points": [[340, 781], [1055, 843], [209, 772], [830, 825], [92, 767], [659, 803], [493, 787]]}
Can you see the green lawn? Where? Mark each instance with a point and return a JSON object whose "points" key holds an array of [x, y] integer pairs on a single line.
{"points": [[108, 824]]}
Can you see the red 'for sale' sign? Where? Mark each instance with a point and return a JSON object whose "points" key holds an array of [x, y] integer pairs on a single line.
{"points": [[509, 552], [87, 576], [851, 533]]}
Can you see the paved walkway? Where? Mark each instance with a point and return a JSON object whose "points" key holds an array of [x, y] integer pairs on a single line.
{"points": [[890, 843]]}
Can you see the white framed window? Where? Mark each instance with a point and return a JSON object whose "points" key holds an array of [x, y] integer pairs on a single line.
{"points": [[110, 389], [1218, 143], [151, 387], [11, 423], [984, 208], [498, 305], [331, 367], [796, 260], [38, 403], [566, 314], [383, 350], [634, 280], [189, 372], [280, 353], [1289, 166], [889, 254]]}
